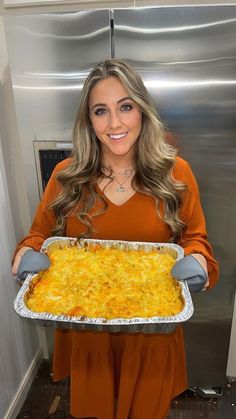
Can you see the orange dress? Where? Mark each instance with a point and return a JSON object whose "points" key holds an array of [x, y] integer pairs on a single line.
{"points": [[139, 373]]}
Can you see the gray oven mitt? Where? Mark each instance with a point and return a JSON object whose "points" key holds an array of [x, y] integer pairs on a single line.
{"points": [[32, 262], [189, 269]]}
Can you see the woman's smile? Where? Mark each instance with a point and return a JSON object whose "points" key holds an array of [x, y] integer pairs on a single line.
{"points": [[118, 137]]}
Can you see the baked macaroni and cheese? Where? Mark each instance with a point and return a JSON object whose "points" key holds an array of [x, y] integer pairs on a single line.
{"points": [[106, 282]]}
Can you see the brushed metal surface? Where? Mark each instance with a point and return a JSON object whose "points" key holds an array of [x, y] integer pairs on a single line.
{"points": [[187, 58], [50, 56]]}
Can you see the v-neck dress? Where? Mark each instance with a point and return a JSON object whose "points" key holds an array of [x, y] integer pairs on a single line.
{"points": [[138, 373]]}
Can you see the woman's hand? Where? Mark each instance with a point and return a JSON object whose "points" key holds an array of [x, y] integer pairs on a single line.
{"points": [[18, 257], [28, 261], [193, 269]]}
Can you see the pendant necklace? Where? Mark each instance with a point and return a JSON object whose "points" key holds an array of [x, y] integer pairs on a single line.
{"points": [[121, 187]]}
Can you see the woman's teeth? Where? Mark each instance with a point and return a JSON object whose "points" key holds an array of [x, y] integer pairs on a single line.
{"points": [[117, 136]]}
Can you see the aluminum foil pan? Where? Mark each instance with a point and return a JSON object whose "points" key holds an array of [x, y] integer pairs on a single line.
{"points": [[133, 325]]}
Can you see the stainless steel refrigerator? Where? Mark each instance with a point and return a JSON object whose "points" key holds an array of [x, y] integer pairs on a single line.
{"points": [[187, 58]]}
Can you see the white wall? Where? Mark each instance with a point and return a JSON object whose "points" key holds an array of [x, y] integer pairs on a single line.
{"points": [[231, 368], [20, 351]]}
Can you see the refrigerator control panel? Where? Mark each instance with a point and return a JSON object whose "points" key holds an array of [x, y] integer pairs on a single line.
{"points": [[47, 155]]}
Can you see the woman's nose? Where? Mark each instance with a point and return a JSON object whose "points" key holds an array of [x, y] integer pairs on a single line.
{"points": [[114, 119]]}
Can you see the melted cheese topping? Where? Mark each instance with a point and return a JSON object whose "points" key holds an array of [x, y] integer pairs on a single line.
{"points": [[108, 283]]}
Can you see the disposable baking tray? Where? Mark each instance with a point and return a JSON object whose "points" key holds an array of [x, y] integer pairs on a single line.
{"points": [[131, 325]]}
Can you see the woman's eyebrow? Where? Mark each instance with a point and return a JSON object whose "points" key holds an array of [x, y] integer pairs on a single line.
{"points": [[98, 104], [104, 104], [124, 98]]}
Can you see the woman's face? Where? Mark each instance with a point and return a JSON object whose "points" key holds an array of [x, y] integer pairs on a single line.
{"points": [[115, 117]]}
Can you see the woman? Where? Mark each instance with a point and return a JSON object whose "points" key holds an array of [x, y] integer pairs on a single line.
{"points": [[123, 182]]}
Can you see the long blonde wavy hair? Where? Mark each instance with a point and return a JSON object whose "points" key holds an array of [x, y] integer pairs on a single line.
{"points": [[154, 158]]}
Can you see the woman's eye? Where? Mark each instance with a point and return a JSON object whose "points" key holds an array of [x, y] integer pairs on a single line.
{"points": [[126, 107], [100, 111]]}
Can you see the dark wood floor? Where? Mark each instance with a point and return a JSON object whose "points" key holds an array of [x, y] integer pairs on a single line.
{"points": [[47, 400]]}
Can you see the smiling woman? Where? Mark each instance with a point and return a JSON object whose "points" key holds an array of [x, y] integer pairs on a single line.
{"points": [[123, 182]]}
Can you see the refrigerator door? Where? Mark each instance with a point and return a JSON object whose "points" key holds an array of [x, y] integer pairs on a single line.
{"points": [[186, 56], [50, 56]]}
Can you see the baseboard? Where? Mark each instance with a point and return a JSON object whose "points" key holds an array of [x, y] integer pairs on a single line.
{"points": [[21, 394]]}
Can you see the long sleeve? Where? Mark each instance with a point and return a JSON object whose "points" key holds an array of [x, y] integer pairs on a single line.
{"points": [[194, 238], [44, 220]]}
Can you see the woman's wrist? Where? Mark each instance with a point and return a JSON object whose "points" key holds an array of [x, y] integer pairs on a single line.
{"points": [[18, 257], [203, 262], [23, 250], [201, 259]]}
